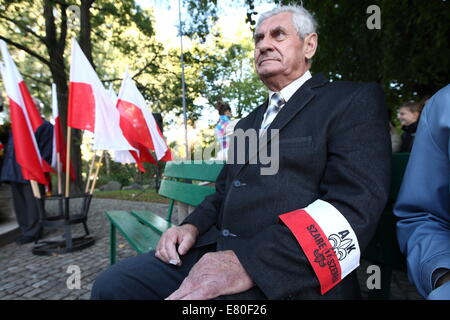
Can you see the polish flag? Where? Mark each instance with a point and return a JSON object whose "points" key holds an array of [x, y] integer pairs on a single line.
{"points": [[59, 145], [123, 156], [25, 119], [327, 239], [139, 126], [90, 107]]}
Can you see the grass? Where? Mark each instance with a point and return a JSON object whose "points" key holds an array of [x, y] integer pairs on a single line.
{"points": [[132, 195]]}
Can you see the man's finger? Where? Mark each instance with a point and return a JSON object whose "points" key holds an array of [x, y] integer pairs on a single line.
{"points": [[185, 245], [201, 293], [172, 254], [167, 240], [176, 295], [184, 289]]}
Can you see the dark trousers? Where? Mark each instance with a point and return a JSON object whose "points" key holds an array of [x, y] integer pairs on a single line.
{"points": [[26, 210], [145, 277]]}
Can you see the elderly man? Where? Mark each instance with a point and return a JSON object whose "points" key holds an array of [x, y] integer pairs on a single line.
{"points": [[295, 234]]}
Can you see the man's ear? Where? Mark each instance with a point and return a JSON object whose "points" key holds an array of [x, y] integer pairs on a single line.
{"points": [[310, 45]]}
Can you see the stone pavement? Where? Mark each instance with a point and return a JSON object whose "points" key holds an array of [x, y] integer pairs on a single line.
{"points": [[26, 276]]}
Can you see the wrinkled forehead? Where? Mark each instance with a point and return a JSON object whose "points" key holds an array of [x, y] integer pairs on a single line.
{"points": [[281, 20]]}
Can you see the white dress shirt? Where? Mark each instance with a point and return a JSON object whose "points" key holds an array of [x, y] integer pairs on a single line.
{"points": [[288, 91]]}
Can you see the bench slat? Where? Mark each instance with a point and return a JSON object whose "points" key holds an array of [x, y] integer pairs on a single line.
{"points": [[191, 194], [191, 170], [140, 237], [152, 220], [142, 229]]}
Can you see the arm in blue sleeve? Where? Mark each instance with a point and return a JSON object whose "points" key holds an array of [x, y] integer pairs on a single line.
{"points": [[423, 206]]}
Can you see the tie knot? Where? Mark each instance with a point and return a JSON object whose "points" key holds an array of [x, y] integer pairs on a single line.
{"points": [[276, 101]]}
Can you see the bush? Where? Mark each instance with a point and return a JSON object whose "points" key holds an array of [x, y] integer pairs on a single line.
{"points": [[126, 174]]}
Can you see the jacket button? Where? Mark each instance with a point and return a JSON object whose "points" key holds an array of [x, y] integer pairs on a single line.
{"points": [[236, 183], [225, 232]]}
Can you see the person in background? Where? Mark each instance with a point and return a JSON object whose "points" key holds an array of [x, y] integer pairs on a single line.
{"points": [[25, 206], [224, 129], [408, 115], [224, 119], [423, 203]]}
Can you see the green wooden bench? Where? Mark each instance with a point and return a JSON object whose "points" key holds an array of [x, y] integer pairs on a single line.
{"points": [[142, 229], [383, 249]]}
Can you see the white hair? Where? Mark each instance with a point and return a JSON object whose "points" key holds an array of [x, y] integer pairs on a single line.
{"points": [[302, 20]]}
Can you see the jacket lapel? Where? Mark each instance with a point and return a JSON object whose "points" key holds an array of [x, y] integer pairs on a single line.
{"points": [[296, 103]]}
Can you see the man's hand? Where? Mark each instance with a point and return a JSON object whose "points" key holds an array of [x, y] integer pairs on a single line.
{"points": [[184, 235], [215, 274]]}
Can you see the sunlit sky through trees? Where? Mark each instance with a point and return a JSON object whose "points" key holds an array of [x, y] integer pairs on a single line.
{"points": [[232, 27]]}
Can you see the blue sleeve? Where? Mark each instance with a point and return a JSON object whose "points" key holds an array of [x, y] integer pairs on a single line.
{"points": [[44, 139], [441, 293], [423, 203]]}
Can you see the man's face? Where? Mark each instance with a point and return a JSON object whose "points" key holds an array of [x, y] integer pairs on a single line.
{"points": [[406, 117], [279, 52]]}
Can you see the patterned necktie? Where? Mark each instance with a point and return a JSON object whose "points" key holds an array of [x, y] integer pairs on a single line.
{"points": [[276, 102]]}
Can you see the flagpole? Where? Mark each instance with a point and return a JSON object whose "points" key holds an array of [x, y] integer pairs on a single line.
{"points": [[96, 172], [91, 166], [59, 169], [35, 188], [183, 82], [69, 138]]}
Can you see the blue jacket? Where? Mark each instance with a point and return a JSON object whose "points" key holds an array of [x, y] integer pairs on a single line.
{"points": [[423, 203], [11, 170]]}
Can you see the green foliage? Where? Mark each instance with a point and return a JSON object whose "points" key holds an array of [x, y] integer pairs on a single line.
{"points": [[227, 74], [202, 16], [132, 195], [408, 56], [125, 174]]}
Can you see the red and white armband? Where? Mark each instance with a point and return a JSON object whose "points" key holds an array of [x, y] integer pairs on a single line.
{"points": [[327, 239]]}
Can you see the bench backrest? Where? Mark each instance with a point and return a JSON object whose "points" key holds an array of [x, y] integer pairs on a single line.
{"points": [[180, 179]]}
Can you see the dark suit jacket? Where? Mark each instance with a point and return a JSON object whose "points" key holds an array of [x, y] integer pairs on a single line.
{"points": [[11, 170], [334, 145]]}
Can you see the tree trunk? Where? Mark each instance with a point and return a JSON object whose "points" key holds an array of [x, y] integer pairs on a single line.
{"points": [[85, 29], [55, 47]]}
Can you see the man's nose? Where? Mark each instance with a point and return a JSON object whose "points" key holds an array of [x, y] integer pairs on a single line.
{"points": [[264, 45]]}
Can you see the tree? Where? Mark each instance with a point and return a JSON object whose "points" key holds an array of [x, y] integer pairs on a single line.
{"points": [[229, 76], [408, 56], [226, 67], [40, 29]]}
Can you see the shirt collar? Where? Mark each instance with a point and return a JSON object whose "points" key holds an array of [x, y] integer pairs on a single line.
{"points": [[288, 91]]}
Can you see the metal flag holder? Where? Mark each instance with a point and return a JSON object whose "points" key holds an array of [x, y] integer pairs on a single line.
{"points": [[64, 219]]}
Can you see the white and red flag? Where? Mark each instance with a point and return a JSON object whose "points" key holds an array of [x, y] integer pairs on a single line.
{"points": [[25, 119], [59, 145], [327, 239], [90, 107], [123, 156], [139, 126]]}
